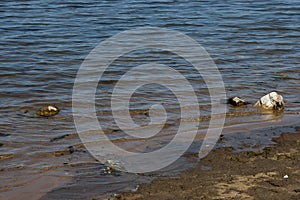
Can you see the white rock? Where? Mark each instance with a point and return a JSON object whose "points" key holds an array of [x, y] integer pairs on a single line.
{"points": [[52, 108], [285, 176], [271, 101]]}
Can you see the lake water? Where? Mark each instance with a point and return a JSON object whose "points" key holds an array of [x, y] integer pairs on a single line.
{"points": [[255, 45]]}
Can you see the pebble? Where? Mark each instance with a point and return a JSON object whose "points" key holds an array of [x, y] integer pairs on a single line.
{"points": [[48, 111], [236, 101]]}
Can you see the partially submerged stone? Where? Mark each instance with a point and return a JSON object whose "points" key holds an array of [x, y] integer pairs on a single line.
{"points": [[236, 101], [48, 111], [271, 101]]}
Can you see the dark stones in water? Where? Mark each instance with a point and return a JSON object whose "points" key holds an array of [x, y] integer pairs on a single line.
{"points": [[62, 153], [67, 151], [221, 137], [70, 150], [48, 111], [59, 137], [236, 101]]}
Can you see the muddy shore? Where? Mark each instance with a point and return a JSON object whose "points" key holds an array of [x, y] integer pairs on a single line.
{"points": [[272, 173]]}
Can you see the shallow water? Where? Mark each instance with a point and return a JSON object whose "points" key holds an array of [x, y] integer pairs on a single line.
{"points": [[254, 44]]}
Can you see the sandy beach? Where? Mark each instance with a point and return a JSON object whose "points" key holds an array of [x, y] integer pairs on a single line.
{"points": [[272, 173]]}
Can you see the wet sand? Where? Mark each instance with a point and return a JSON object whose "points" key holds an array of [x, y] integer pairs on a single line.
{"points": [[271, 173]]}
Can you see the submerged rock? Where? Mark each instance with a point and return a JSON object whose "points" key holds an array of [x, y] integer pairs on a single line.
{"points": [[48, 111], [236, 101], [271, 101]]}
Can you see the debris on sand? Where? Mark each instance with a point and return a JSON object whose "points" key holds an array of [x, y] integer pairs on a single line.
{"points": [[236, 101], [271, 101], [48, 111]]}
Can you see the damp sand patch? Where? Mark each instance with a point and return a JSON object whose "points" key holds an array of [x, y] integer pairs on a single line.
{"points": [[272, 173]]}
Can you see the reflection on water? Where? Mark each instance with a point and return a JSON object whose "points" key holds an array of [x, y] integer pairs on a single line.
{"points": [[272, 116], [254, 44]]}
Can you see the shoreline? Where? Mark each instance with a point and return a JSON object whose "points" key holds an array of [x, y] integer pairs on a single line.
{"points": [[271, 173]]}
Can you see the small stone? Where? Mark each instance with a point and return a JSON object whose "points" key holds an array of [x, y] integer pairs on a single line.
{"points": [[236, 101], [221, 137], [48, 111], [135, 189], [271, 101], [285, 176], [109, 170]]}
